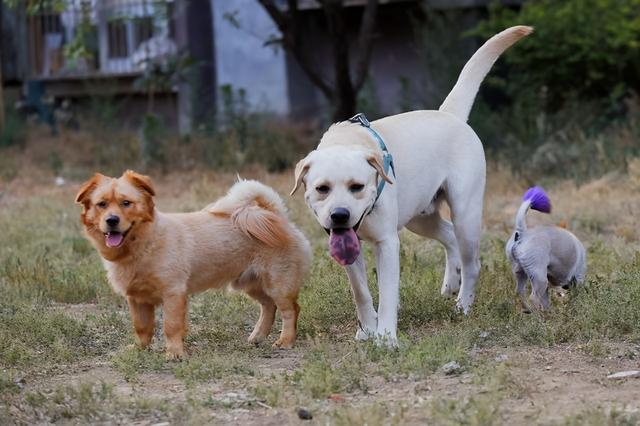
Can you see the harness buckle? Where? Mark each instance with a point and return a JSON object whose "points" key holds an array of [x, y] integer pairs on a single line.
{"points": [[360, 118]]}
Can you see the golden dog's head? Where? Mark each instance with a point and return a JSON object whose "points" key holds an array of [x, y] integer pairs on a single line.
{"points": [[115, 210]]}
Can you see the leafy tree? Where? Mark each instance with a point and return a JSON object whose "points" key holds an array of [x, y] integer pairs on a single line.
{"points": [[584, 50], [349, 65], [35, 6]]}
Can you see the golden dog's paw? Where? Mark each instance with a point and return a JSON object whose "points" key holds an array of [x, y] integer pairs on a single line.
{"points": [[175, 355], [283, 344], [137, 346], [256, 340]]}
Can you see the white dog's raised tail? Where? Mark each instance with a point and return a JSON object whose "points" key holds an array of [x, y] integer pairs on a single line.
{"points": [[257, 210], [461, 98]]}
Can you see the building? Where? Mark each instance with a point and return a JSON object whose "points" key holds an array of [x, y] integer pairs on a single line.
{"points": [[101, 47]]}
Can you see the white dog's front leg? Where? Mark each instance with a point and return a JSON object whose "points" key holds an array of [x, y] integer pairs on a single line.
{"points": [[388, 264], [367, 317]]}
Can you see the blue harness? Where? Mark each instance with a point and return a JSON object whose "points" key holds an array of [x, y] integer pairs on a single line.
{"points": [[387, 158]]}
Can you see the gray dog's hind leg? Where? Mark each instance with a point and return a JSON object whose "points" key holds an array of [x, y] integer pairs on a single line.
{"points": [[540, 289], [521, 289]]}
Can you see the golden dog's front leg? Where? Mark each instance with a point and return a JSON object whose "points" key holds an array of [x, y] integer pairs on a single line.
{"points": [[175, 324], [143, 318], [289, 311]]}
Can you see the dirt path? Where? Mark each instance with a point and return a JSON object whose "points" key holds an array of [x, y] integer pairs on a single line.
{"points": [[519, 386]]}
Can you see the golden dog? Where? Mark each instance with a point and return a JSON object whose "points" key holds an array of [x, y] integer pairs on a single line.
{"points": [[155, 258]]}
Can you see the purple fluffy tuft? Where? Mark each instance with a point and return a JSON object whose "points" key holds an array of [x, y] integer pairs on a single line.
{"points": [[538, 198]]}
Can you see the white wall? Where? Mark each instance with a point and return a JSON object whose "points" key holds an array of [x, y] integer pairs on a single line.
{"points": [[243, 61]]}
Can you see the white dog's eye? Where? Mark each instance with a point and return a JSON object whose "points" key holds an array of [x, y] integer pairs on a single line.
{"points": [[126, 203], [356, 187], [323, 189]]}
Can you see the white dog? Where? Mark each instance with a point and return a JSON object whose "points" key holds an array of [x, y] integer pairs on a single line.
{"points": [[544, 254], [436, 156]]}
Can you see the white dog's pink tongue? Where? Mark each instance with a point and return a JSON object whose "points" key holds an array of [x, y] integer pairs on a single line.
{"points": [[114, 239], [344, 246]]}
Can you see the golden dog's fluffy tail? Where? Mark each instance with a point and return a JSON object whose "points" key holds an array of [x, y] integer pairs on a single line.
{"points": [[461, 97], [256, 210]]}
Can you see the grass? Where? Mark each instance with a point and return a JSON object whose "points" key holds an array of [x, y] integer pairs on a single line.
{"points": [[58, 315]]}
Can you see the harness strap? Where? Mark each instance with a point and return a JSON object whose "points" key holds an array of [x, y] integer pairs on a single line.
{"points": [[387, 158]]}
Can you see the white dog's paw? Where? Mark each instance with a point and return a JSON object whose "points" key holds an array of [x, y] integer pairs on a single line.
{"points": [[464, 302], [451, 283], [365, 332], [362, 335], [386, 341]]}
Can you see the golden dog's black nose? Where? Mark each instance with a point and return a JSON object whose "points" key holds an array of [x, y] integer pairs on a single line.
{"points": [[112, 221], [340, 216]]}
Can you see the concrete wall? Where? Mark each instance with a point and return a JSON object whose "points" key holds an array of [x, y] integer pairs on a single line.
{"points": [[243, 61]]}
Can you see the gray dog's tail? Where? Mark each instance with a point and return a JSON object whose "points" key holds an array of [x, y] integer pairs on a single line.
{"points": [[461, 97], [536, 199]]}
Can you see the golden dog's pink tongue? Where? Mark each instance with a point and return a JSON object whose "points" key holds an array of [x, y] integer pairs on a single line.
{"points": [[114, 239], [344, 246]]}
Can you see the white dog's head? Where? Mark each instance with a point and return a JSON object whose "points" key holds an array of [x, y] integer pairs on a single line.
{"points": [[341, 182]]}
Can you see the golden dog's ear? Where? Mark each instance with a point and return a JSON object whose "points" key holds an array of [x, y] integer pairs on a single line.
{"points": [[87, 188], [301, 171], [376, 162], [141, 181]]}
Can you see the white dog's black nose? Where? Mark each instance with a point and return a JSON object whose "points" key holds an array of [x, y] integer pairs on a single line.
{"points": [[112, 221], [340, 216]]}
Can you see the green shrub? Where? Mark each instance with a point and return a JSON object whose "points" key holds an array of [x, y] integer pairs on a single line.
{"points": [[581, 49]]}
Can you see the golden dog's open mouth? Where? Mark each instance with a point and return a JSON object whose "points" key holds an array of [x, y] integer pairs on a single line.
{"points": [[114, 239]]}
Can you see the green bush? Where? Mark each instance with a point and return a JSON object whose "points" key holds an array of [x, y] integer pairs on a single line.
{"points": [[587, 50]]}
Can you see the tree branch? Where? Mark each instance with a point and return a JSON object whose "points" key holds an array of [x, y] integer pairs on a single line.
{"points": [[278, 17], [287, 23], [337, 27], [365, 43]]}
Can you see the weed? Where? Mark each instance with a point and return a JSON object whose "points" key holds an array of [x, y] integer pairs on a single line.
{"points": [[373, 415], [602, 417], [131, 361], [207, 366], [481, 410]]}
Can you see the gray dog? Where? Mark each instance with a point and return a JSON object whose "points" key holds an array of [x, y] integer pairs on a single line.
{"points": [[544, 254]]}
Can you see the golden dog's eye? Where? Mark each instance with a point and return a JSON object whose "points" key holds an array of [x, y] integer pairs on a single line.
{"points": [[126, 203], [102, 204], [356, 187], [323, 189]]}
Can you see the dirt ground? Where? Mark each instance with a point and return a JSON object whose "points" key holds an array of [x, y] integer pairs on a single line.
{"points": [[514, 369]]}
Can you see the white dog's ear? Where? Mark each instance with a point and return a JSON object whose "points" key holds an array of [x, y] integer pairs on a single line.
{"points": [[301, 171], [376, 162]]}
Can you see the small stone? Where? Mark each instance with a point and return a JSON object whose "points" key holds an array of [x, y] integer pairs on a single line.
{"points": [[336, 397], [59, 181], [19, 382], [624, 375], [501, 358], [304, 414], [484, 334], [451, 368]]}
